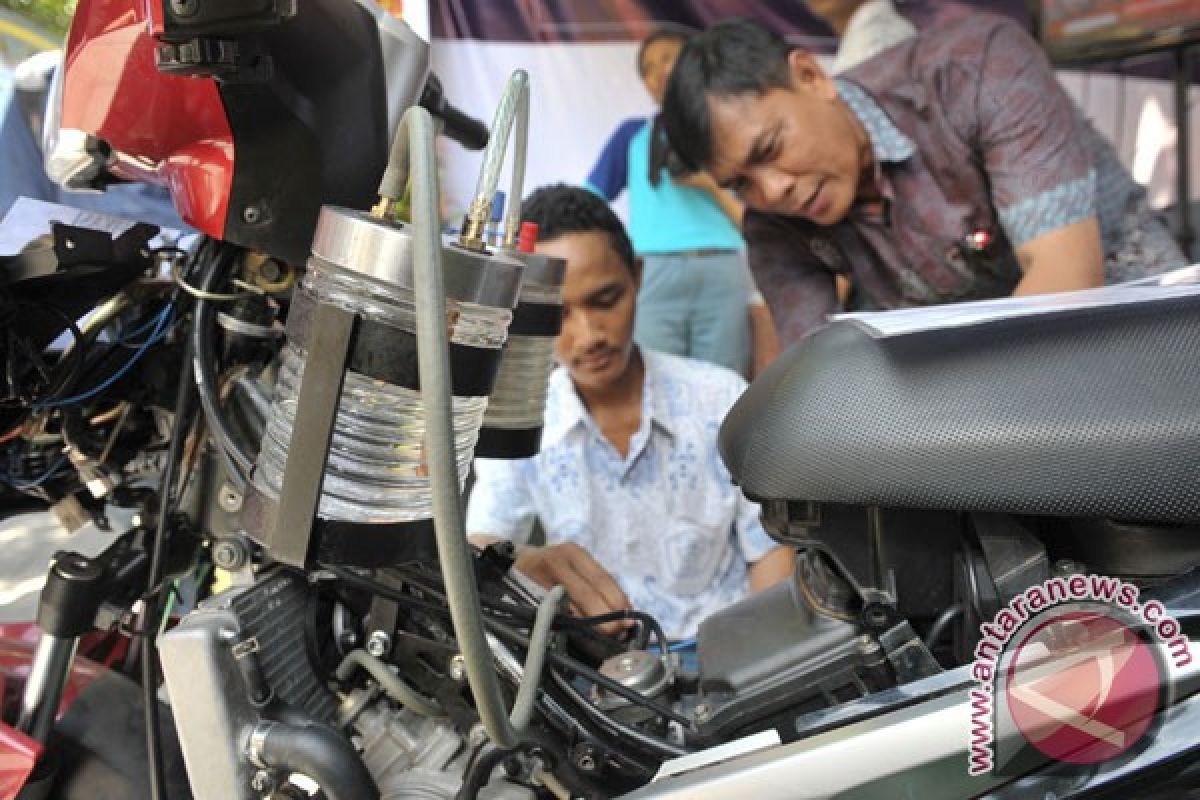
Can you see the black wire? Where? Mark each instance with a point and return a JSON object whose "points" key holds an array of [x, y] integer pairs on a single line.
{"points": [[504, 631], [526, 614], [584, 671], [479, 770], [237, 462], [184, 408], [615, 727]]}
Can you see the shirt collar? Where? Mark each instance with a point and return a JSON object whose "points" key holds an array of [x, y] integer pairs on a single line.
{"points": [[888, 143], [565, 410]]}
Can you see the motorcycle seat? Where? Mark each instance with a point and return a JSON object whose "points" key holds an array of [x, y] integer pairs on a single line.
{"points": [[1092, 413]]}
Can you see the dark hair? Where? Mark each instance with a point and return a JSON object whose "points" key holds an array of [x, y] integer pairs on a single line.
{"points": [[561, 209], [738, 56], [666, 34]]}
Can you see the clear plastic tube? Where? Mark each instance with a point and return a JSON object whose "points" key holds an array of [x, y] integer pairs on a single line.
{"points": [[377, 470], [527, 362]]}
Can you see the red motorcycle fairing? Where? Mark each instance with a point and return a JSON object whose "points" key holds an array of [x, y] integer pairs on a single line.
{"points": [[18, 756], [162, 128]]}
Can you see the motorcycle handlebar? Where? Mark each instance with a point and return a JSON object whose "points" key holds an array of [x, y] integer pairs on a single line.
{"points": [[456, 124]]}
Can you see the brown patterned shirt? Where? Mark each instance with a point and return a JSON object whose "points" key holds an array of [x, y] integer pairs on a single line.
{"points": [[979, 150]]}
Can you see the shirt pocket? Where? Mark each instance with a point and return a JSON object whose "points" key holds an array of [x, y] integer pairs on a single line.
{"points": [[696, 547]]}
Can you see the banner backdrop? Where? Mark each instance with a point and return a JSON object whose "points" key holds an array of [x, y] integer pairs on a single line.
{"points": [[584, 82]]}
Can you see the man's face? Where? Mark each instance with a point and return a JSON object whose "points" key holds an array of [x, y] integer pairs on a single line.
{"points": [[599, 299], [657, 62], [795, 151]]}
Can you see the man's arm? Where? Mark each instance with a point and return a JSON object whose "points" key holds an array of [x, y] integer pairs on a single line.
{"points": [[764, 341], [1039, 170], [591, 588], [772, 568], [1062, 260], [799, 291]]}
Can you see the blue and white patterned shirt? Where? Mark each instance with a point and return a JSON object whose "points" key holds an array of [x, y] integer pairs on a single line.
{"points": [[666, 520]]}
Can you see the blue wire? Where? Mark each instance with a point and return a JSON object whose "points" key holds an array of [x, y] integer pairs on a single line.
{"points": [[47, 475], [681, 645], [159, 331], [127, 338]]}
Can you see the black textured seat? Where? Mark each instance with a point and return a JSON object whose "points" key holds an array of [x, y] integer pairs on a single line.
{"points": [[1087, 413]]}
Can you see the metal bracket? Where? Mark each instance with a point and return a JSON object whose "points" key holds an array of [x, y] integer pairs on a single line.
{"points": [[290, 535]]}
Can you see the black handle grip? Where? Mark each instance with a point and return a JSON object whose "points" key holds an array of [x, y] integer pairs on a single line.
{"points": [[456, 124], [466, 130]]}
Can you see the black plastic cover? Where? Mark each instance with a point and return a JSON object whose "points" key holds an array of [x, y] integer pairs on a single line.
{"points": [[1092, 413]]}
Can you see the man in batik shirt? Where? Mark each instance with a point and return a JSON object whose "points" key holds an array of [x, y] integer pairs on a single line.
{"points": [[949, 167]]}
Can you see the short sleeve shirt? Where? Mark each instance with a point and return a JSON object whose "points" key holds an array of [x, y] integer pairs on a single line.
{"points": [[979, 150], [666, 520]]}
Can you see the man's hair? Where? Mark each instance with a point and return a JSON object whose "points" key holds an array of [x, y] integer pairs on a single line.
{"points": [[665, 34], [735, 57], [561, 209]]}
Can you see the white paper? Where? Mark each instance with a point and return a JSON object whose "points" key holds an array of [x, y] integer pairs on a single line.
{"points": [[1183, 282]]}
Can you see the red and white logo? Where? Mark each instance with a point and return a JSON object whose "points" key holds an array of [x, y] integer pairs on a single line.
{"points": [[1083, 686]]}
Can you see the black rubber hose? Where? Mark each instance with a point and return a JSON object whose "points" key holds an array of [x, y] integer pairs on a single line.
{"points": [[321, 754], [237, 462], [184, 407], [480, 769]]}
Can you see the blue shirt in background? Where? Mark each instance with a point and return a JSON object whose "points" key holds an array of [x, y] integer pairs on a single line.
{"points": [[668, 218]]}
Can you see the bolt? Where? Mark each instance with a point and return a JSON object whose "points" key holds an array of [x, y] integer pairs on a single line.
{"points": [[477, 735], [228, 555], [262, 782], [876, 617], [702, 712], [457, 669], [585, 761], [270, 271], [379, 644], [252, 215], [229, 499]]}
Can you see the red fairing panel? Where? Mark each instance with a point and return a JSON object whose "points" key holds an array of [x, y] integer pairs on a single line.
{"points": [[165, 129], [18, 756]]}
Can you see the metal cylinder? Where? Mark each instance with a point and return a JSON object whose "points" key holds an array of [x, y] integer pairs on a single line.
{"points": [[44, 687], [376, 469]]}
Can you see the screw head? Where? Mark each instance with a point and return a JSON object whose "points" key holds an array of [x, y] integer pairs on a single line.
{"points": [[379, 644], [229, 499], [587, 757], [457, 669], [270, 271], [252, 215], [227, 555], [262, 782]]}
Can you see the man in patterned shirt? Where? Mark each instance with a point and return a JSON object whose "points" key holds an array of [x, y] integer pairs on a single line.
{"points": [[951, 166], [638, 508]]}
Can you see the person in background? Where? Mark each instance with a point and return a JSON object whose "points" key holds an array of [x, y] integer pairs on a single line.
{"points": [[863, 28], [951, 166], [697, 298], [638, 509]]}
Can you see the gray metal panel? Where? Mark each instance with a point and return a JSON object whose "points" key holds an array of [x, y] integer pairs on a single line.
{"points": [[212, 715]]}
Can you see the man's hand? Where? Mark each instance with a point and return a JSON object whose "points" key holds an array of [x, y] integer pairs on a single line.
{"points": [[592, 590]]}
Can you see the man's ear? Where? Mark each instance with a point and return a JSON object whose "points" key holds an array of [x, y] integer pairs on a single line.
{"points": [[807, 74]]}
